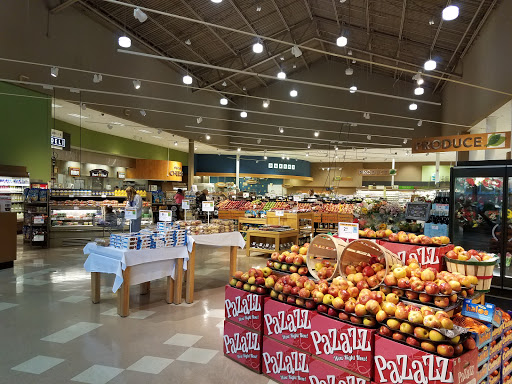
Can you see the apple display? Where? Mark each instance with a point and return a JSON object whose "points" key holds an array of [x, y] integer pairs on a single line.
{"points": [[393, 324], [401, 312], [399, 273], [290, 300], [406, 328], [469, 343], [369, 322], [300, 302], [458, 349], [421, 333], [418, 286], [428, 346], [353, 292], [445, 350], [327, 300]]}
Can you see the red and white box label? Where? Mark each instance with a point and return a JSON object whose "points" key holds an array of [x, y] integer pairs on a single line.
{"points": [[244, 308], [427, 256], [243, 345], [283, 363], [321, 372]]}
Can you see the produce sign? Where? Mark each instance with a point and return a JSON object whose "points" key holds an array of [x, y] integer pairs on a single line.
{"points": [[244, 308], [243, 346], [476, 142], [400, 364]]}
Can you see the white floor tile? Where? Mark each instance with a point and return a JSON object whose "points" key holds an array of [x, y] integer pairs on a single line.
{"points": [[72, 332], [97, 374], [197, 355], [220, 325], [4, 305], [183, 340], [74, 299], [139, 315], [219, 313], [38, 364], [110, 312], [33, 282], [150, 364], [217, 260]]}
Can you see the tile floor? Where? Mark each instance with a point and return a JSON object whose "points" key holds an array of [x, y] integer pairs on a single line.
{"points": [[51, 332]]}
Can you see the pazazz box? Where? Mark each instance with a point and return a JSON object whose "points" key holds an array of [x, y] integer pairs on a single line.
{"points": [[347, 346], [396, 363], [427, 256], [243, 345], [283, 363], [244, 308], [288, 324], [321, 372]]}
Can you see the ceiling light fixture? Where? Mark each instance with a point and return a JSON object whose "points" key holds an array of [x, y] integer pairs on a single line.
{"points": [[317, 133], [265, 157], [405, 141], [84, 107], [413, 106], [296, 51], [97, 78], [266, 103], [450, 13], [430, 65], [159, 131], [187, 79], [287, 158], [139, 15], [309, 146], [188, 42], [281, 75], [349, 71], [142, 112], [294, 93], [109, 126], [281, 130], [124, 41], [199, 120], [419, 91], [257, 47], [54, 71], [207, 137], [282, 157], [258, 8], [353, 89], [136, 84], [420, 123], [175, 143], [243, 114], [223, 101], [341, 41], [224, 84], [307, 154], [216, 1], [369, 137], [366, 115]]}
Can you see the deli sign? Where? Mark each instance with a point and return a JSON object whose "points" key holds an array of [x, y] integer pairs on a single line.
{"points": [[482, 141]]}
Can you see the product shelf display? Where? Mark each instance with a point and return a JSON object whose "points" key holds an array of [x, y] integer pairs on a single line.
{"points": [[364, 323], [36, 217], [14, 187]]}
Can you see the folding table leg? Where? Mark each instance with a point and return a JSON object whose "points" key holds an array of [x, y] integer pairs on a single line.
{"points": [[144, 288], [123, 295], [95, 287], [178, 282], [233, 254], [189, 286], [169, 296]]}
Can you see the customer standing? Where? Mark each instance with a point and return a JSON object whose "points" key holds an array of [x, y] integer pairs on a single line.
{"points": [[178, 198], [134, 201]]}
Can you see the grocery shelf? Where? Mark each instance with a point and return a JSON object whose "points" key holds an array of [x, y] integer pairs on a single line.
{"points": [[262, 250]]}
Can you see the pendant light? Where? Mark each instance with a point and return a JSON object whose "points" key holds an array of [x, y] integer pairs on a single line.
{"points": [[430, 65], [413, 106], [223, 101], [293, 93], [243, 114], [341, 41], [281, 75], [124, 41], [257, 47], [187, 79], [450, 13], [419, 91]]}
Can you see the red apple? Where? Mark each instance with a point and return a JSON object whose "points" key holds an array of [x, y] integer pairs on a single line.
{"points": [[418, 286], [445, 350], [398, 336], [412, 295], [353, 291], [385, 331], [441, 302], [390, 280], [431, 288], [321, 308], [421, 333], [428, 346], [412, 342], [332, 312], [362, 285], [404, 283], [343, 316], [350, 306], [424, 298], [372, 307], [368, 271]]}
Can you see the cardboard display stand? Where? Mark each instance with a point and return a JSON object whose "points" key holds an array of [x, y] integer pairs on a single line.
{"points": [[283, 363], [244, 308], [242, 345]]}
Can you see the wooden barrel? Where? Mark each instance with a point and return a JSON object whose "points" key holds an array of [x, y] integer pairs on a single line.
{"points": [[324, 249], [483, 270], [363, 250]]}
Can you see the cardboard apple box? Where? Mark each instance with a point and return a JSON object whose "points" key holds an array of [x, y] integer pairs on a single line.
{"points": [[283, 363], [426, 255], [347, 346], [483, 355], [242, 345], [397, 363], [244, 308], [288, 324], [321, 372], [483, 371]]}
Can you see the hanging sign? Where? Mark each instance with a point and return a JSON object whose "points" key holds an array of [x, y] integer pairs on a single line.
{"points": [[121, 175], [98, 173], [74, 171], [486, 141], [373, 172]]}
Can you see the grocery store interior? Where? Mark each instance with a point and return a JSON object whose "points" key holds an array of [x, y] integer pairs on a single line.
{"points": [[209, 190]]}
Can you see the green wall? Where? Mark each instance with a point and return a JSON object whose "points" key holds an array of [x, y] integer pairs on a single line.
{"points": [[25, 131], [428, 170], [102, 142]]}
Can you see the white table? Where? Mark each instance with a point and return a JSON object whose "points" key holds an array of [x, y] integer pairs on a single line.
{"points": [[234, 240], [136, 267]]}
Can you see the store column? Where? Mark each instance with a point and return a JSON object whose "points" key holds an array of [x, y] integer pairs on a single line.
{"points": [[438, 165], [491, 124], [237, 179], [191, 165]]}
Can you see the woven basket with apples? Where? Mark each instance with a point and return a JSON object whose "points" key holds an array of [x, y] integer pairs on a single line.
{"points": [[323, 255], [472, 262]]}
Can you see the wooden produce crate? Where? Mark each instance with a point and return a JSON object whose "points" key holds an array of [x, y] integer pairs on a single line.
{"points": [[330, 218]]}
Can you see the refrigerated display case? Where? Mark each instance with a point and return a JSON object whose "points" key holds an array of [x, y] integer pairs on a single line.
{"points": [[481, 214]]}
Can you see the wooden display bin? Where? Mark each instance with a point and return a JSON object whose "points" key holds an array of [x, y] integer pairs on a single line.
{"points": [[290, 219], [277, 237]]}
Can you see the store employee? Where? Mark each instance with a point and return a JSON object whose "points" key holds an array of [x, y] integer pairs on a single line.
{"points": [[134, 201]]}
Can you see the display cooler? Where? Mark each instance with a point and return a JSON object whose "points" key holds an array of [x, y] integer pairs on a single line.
{"points": [[481, 214]]}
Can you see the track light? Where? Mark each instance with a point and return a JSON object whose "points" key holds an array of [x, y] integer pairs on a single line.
{"points": [[266, 103], [124, 41], [341, 41], [281, 130], [187, 79], [207, 137], [349, 71], [223, 101], [224, 84], [369, 137], [54, 71], [139, 15], [243, 114], [136, 84], [405, 141], [419, 91], [109, 126], [257, 47], [413, 106], [281, 75], [420, 123], [143, 112], [317, 133], [450, 13], [309, 146], [175, 143], [188, 42], [353, 89], [293, 93], [199, 120], [296, 51], [97, 78], [430, 65]]}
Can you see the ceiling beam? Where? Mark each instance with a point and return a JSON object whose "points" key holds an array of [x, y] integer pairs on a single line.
{"points": [[438, 29], [62, 6], [368, 33], [400, 34]]}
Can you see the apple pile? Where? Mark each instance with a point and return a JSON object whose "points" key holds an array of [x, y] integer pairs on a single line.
{"points": [[459, 253], [367, 274], [403, 237], [292, 261], [255, 280], [295, 289], [427, 285], [417, 327]]}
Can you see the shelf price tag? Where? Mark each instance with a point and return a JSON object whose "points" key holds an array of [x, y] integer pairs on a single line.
{"points": [[208, 206], [348, 230], [103, 196], [38, 220], [297, 198], [130, 213], [185, 204], [245, 195], [38, 238], [279, 213], [165, 215]]}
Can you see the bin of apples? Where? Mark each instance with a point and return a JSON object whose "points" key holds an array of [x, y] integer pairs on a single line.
{"points": [[255, 280], [292, 261], [459, 253], [423, 328], [403, 237], [427, 286], [367, 274], [294, 289]]}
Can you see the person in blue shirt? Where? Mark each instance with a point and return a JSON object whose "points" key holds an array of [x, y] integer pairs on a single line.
{"points": [[134, 201]]}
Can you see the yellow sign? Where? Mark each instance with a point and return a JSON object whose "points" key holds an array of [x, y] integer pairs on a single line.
{"points": [[496, 140], [175, 170]]}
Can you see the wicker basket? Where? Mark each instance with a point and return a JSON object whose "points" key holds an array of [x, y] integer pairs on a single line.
{"points": [[363, 250], [324, 248], [483, 270]]}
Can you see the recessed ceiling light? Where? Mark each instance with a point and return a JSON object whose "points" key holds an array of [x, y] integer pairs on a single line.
{"points": [[199, 120], [257, 47], [430, 65], [187, 79], [281, 75], [341, 41], [54, 71], [265, 157], [124, 42], [77, 115], [413, 106], [258, 8], [137, 84], [450, 13], [223, 101]]}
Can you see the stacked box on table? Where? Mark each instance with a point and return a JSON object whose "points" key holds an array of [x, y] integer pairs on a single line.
{"points": [[398, 363], [428, 256]]}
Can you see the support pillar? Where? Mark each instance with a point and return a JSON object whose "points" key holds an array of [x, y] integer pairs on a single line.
{"points": [[191, 166], [237, 172], [393, 176], [438, 165], [491, 125]]}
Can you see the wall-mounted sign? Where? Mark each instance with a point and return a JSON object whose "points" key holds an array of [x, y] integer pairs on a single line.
{"points": [[146, 169], [121, 175], [98, 173], [175, 170], [74, 171], [496, 140], [60, 140], [373, 172]]}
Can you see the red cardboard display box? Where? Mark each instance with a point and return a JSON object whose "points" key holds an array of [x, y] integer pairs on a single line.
{"points": [[244, 308], [427, 256], [283, 363], [397, 363], [321, 372], [242, 345]]}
